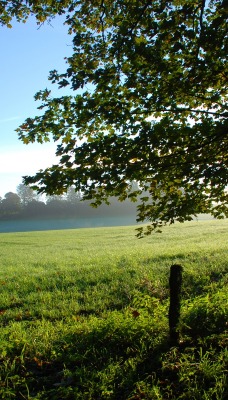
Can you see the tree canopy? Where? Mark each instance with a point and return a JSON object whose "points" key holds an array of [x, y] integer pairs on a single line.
{"points": [[148, 104]]}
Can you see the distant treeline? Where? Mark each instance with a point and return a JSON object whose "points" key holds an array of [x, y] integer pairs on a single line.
{"points": [[27, 204]]}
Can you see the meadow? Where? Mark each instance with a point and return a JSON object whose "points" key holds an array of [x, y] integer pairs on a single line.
{"points": [[84, 314]]}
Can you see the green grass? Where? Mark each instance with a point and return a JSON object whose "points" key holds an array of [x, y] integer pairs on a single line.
{"points": [[83, 314]]}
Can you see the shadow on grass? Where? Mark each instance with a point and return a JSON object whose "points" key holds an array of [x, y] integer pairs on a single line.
{"points": [[98, 359], [126, 356]]}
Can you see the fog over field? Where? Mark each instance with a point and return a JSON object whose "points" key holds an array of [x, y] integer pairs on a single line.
{"points": [[70, 223]]}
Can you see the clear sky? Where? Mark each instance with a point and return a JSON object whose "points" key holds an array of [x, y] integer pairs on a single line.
{"points": [[27, 56]]}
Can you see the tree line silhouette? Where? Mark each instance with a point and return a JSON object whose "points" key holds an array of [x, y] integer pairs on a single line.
{"points": [[27, 204]]}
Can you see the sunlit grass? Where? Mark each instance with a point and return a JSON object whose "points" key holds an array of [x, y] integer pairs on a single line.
{"points": [[89, 307]]}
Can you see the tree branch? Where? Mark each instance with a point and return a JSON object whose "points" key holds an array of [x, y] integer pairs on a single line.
{"points": [[180, 110], [133, 26], [102, 20], [139, 18], [195, 111], [201, 15], [201, 28]]}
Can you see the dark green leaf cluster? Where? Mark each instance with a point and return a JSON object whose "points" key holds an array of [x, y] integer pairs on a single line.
{"points": [[21, 9]]}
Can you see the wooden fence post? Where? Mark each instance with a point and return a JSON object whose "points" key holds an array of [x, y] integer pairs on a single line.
{"points": [[175, 283]]}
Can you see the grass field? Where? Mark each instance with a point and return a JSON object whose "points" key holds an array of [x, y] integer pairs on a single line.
{"points": [[84, 314]]}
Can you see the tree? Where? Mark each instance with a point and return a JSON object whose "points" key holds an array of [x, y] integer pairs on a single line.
{"points": [[73, 197], [43, 10], [35, 209], [25, 193], [54, 197], [10, 205], [149, 83]]}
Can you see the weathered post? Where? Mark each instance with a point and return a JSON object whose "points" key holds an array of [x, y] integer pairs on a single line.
{"points": [[175, 283]]}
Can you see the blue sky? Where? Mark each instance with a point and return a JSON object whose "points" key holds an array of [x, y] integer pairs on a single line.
{"points": [[27, 56]]}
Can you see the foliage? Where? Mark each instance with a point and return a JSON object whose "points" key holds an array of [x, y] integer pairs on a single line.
{"points": [[25, 193], [149, 105], [21, 10], [10, 205], [84, 314]]}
